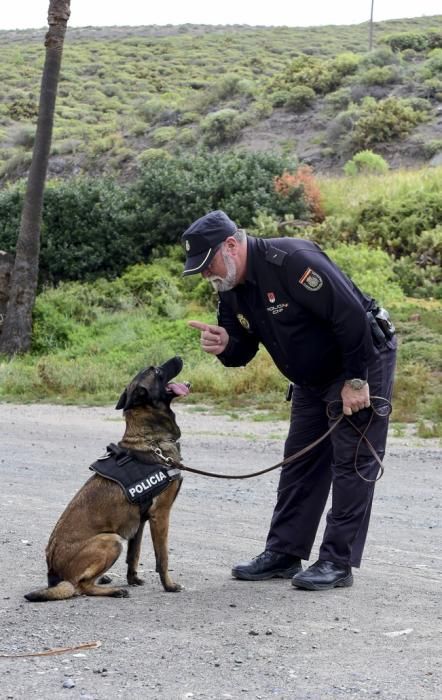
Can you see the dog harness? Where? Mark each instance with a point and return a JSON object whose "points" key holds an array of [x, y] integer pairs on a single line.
{"points": [[140, 482]]}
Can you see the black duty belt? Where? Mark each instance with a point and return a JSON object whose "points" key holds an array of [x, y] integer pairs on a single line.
{"points": [[381, 325], [140, 482]]}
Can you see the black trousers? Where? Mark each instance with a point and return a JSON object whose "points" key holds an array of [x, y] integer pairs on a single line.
{"points": [[305, 484]]}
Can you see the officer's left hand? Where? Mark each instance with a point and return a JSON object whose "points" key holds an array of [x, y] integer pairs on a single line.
{"points": [[353, 400]]}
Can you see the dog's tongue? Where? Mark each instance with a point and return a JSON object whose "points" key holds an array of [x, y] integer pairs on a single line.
{"points": [[178, 389]]}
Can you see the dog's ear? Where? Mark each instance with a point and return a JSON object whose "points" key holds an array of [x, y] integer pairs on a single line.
{"points": [[133, 396], [121, 401]]}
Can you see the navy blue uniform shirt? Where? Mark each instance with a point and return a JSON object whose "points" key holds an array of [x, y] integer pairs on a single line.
{"points": [[307, 313]]}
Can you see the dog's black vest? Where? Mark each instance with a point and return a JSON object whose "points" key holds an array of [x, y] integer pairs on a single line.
{"points": [[140, 482]]}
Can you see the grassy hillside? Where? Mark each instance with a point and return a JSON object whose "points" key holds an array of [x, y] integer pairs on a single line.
{"points": [[127, 92]]}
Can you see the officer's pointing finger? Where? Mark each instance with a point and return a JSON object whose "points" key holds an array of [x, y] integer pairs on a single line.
{"points": [[198, 325]]}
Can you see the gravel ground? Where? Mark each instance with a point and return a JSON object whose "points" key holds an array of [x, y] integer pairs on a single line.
{"points": [[219, 638]]}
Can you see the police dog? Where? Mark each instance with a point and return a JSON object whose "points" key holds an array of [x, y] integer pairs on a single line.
{"points": [[88, 537]]}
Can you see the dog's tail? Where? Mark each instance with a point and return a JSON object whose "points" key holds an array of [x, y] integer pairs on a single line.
{"points": [[61, 591]]}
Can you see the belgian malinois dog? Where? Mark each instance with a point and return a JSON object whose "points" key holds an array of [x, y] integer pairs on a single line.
{"points": [[88, 537]]}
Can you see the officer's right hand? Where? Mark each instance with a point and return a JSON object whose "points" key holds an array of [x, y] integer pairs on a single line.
{"points": [[214, 339]]}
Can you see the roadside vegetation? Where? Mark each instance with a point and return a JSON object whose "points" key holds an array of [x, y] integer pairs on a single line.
{"points": [[104, 315]]}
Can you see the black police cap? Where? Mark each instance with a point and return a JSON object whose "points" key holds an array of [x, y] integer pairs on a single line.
{"points": [[202, 238]]}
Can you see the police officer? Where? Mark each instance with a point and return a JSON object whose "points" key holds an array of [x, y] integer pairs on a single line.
{"points": [[338, 349]]}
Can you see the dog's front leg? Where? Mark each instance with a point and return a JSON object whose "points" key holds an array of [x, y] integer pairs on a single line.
{"points": [[133, 556], [159, 528]]}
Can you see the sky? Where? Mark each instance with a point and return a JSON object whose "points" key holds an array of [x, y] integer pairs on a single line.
{"points": [[24, 14]]}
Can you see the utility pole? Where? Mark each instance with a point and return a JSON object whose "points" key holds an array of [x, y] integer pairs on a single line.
{"points": [[370, 34]]}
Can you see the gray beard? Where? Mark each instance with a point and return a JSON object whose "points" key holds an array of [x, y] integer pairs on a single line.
{"points": [[225, 284]]}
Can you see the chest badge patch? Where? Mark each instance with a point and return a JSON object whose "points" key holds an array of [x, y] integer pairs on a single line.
{"points": [[311, 280], [271, 297], [243, 321]]}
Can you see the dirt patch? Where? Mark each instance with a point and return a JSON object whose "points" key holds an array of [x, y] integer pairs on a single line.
{"points": [[219, 638]]}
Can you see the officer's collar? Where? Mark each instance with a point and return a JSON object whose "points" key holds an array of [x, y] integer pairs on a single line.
{"points": [[251, 247]]}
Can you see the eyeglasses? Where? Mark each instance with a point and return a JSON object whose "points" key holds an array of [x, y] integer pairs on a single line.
{"points": [[209, 266], [381, 407]]}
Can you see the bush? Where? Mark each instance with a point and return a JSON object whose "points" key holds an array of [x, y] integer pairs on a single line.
{"points": [[94, 228], [288, 185], [386, 120], [432, 88], [23, 136], [366, 162], [322, 76], [378, 76], [420, 273], [383, 56], [152, 154], [432, 67], [279, 97], [87, 229], [177, 191], [418, 41], [370, 269], [221, 127], [338, 100], [300, 98], [164, 134], [395, 225], [346, 63]]}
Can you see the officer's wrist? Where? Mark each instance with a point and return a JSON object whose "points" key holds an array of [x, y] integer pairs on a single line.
{"points": [[356, 384]]}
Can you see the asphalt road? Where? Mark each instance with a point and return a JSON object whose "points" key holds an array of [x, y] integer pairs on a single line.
{"points": [[218, 638]]}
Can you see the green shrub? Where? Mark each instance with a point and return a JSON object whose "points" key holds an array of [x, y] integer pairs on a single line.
{"points": [[338, 100], [386, 120], [163, 135], [300, 98], [187, 137], [16, 165], [152, 154], [150, 109], [22, 108], [370, 269], [320, 75], [432, 88], [418, 41], [420, 273], [97, 228], [51, 328], [279, 97], [177, 191], [432, 147], [155, 288], [382, 56], [378, 76], [346, 63], [396, 224], [432, 67], [223, 126], [366, 162], [23, 136]]}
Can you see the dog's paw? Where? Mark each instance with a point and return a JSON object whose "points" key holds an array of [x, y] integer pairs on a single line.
{"points": [[173, 588], [105, 579], [120, 593], [135, 580]]}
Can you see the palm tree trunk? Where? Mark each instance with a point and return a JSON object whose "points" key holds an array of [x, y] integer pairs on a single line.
{"points": [[16, 331]]}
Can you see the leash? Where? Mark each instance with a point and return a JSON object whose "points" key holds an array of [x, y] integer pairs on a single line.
{"points": [[382, 412]]}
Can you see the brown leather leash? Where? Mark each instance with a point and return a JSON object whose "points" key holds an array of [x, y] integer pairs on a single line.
{"points": [[304, 450]]}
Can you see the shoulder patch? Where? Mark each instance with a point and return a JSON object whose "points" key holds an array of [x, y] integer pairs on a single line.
{"points": [[311, 280], [275, 256]]}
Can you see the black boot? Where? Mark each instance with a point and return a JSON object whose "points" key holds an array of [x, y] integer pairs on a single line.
{"points": [[268, 565], [322, 575]]}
